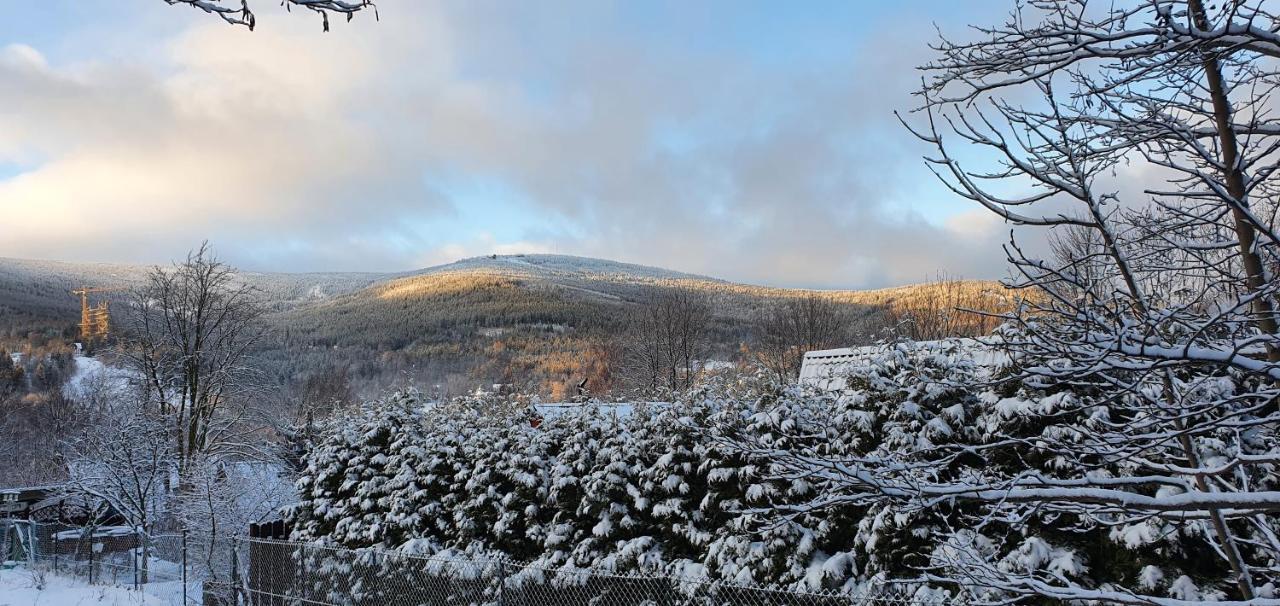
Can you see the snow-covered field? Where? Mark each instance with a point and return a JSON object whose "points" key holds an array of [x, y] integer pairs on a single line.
{"points": [[39, 587]]}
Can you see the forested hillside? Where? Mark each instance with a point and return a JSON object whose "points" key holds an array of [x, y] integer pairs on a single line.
{"points": [[540, 322], [38, 293]]}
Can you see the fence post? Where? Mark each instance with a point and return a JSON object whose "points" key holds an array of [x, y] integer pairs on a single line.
{"points": [[184, 566], [91, 550], [235, 572], [502, 582], [300, 580], [32, 543]]}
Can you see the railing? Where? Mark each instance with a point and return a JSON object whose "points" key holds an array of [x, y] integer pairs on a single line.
{"points": [[270, 572]]}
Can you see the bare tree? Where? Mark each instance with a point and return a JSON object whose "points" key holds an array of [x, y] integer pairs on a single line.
{"points": [[1155, 333], [667, 341], [1080, 251], [237, 12], [124, 461], [946, 307], [792, 327], [325, 392], [189, 332], [222, 499]]}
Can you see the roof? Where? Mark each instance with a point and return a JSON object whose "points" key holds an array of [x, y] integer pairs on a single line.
{"points": [[23, 498], [828, 368]]}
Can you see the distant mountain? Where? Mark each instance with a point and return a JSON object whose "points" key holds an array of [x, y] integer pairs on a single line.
{"points": [[566, 267], [39, 292], [494, 290], [533, 319]]}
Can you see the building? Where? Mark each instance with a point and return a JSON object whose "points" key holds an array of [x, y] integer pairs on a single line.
{"points": [[52, 504]]}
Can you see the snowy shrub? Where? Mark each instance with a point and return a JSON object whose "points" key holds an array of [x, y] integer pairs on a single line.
{"points": [[757, 483], [663, 489]]}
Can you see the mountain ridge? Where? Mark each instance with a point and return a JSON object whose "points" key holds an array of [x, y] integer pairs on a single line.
{"points": [[554, 264], [39, 290], [541, 320]]}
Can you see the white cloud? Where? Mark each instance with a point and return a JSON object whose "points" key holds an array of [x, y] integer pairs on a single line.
{"points": [[23, 56], [295, 150]]}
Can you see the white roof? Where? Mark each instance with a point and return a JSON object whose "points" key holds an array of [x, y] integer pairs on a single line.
{"points": [[828, 368]]}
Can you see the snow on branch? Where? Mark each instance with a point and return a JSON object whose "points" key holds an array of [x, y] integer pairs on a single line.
{"points": [[1140, 402], [238, 12]]}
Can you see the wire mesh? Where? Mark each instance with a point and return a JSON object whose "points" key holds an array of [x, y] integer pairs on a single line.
{"points": [[274, 572], [155, 565]]}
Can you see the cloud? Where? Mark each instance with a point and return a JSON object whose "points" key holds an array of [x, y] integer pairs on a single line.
{"points": [[293, 150], [242, 139]]}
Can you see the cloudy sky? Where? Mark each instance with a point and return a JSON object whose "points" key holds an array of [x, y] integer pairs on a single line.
{"points": [[752, 141]]}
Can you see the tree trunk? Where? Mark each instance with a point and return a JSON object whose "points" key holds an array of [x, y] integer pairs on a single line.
{"points": [[1264, 312], [1255, 271]]}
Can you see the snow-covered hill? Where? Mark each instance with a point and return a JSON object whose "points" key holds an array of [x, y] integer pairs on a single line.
{"points": [[391, 311], [564, 267], [42, 288]]}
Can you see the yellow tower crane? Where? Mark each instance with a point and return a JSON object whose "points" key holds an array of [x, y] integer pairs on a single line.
{"points": [[95, 322]]}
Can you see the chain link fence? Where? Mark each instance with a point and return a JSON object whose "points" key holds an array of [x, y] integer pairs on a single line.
{"points": [[277, 573], [157, 565]]}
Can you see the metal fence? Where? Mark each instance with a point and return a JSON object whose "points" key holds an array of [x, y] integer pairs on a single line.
{"points": [[277, 573], [156, 565]]}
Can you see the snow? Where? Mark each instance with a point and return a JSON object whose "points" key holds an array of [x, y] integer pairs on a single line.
{"points": [[91, 373], [40, 587], [716, 365], [1185, 589], [101, 531], [1150, 577]]}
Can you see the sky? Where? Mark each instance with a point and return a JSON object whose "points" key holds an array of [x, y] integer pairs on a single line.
{"points": [[751, 141]]}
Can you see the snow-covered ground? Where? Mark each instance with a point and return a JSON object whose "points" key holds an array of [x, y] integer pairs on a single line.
{"points": [[39, 587], [91, 374]]}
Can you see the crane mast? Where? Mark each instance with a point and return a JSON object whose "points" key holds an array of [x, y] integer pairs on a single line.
{"points": [[95, 321]]}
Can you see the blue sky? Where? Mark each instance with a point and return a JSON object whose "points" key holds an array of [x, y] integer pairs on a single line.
{"points": [[748, 140]]}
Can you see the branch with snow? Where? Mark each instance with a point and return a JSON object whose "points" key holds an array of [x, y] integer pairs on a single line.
{"points": [[237, 12]]}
